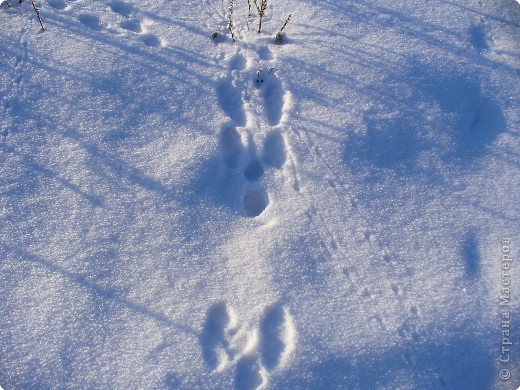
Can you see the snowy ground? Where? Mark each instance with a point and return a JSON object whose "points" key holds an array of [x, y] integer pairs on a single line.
{"points": [[167, 221]]}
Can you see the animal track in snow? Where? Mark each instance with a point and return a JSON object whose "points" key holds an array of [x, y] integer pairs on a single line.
{"points": [[478, 35], [259, 108], [237, 62], [150, 40], [231, 146], [274, 99], [91, 21], [4, 131], [275, 151], [57, 4], [248, 374], [254, 171], [397, 291], [470, 255], [225, 344], [277, 336], [221, 339], [264, 53], [121, 8], [213, 338], [134, 25], [230, 101], [256, 201], [131, 25]]}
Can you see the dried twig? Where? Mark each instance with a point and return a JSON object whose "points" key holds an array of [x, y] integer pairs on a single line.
{"points": [[230, 23], [261, 12], [279, 35], [249, 7], [37, 12], [285, 24]]}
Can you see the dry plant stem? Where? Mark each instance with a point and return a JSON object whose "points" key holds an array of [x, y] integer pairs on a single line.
{"points": [[230, 23], [37, 12], [285, 24], [261, 12]]}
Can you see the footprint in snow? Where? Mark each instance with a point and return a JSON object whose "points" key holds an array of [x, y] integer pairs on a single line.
{"points": [[471, 256], [213, 337], [274, 98], [253, 359], [264, 53], [277, 336], [121, 8], [248, 374], [255, 201], [150, 40], [132, 25], [255, 198], [91, 21], [275, 151], [221, 339], [57, 4], [231, 146], [230, 100], [273, 91], [237, 62], [478, 35], [254, 171]]}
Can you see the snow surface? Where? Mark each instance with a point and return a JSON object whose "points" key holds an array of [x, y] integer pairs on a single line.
{"points": [[168, 221]]}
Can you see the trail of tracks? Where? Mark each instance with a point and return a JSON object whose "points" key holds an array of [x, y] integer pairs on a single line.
{"points": [[252, 92], [13, 94]]}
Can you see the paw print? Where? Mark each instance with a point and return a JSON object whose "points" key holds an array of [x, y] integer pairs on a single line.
{"points": [[252, 353]]}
